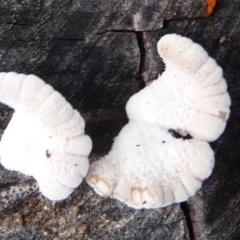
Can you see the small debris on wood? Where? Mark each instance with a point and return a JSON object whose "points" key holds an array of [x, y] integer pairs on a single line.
{"points": [[32, 203], [222, 39], [160, 210], [83, 228], [211, 4], [20, 220], [75, 211]]}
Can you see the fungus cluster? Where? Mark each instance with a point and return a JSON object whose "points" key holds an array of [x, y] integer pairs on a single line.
{"points": [[147, 166], [45, 137]]}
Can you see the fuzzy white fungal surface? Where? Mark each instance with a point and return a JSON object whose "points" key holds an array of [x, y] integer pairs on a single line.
{"points": [[147, 166], [45, 137]]}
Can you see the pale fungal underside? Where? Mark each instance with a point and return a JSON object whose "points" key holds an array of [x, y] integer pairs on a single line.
{"points": [[45, 137], [147, 167]]}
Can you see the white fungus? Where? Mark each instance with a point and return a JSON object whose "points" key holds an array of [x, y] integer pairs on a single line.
{"points": [[147, 166], [45, 137]]}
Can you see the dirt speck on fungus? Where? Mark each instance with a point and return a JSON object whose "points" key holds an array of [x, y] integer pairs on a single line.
{"points": [[48, 155]]}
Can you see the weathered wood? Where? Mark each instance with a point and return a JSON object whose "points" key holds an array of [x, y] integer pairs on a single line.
{"points": [[97, 54]]}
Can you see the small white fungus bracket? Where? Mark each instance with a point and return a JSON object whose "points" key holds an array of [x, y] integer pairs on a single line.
{"points": [[147, 167], [45, 137]]}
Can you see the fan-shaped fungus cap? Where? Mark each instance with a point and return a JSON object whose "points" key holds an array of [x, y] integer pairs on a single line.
{"points": [[191, 95], [147, 167], [45, 137]]}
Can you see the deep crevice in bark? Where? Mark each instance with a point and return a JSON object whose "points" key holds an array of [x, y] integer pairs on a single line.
{"points": [[186, 211], [142, 50], [140, 41]]}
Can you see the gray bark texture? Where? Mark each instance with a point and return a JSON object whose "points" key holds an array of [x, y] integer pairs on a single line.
{"points": [[97, 54]]}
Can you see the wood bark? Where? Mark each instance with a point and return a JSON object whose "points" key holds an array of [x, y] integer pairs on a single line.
{"points": [[98, 54]]}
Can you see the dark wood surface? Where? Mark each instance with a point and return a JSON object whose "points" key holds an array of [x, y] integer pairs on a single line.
{"points": [[97, 54]]}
